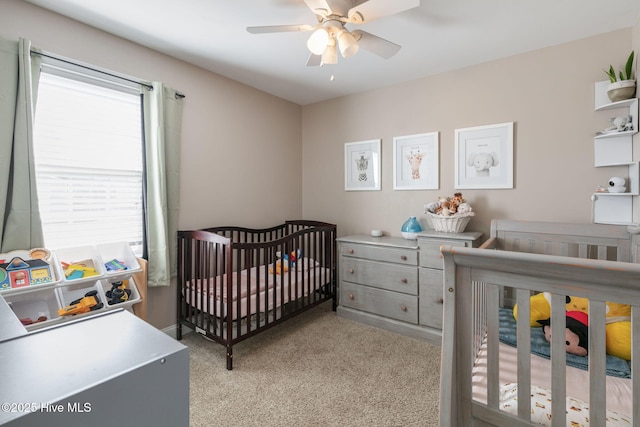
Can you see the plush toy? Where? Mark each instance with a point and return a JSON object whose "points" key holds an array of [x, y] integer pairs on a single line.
{"points": [[482, 162], [280, 267], [445, 209], [618, 320], [620, 124], [576, 332]]}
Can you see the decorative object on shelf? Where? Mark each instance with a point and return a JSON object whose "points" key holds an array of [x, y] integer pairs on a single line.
{"points": [[619, 124], [601, 189], [449, 214], [616, 185], [411, 228], [624, 87], [376, 233]]}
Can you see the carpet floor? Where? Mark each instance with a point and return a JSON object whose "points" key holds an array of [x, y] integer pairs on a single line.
{"points": [[317, 369]]}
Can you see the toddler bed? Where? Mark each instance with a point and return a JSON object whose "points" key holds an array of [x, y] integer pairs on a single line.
{"points": [[235, 282], [485, 380]]}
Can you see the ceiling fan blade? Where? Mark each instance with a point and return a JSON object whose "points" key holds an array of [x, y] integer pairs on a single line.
{"points": [[319, 7], [314, 60], [373, 9], [376, 45], [279, 28]]}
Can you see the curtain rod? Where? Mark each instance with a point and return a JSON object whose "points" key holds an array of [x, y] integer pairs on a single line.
{"points": [[67, 61]]}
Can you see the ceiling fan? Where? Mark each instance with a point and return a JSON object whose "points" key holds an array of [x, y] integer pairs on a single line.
{"points": [[330, 33]]}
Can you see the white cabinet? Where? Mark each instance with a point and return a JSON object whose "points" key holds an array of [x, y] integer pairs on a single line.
{"points": [[37, 299], [111, 369], [616, 149]]}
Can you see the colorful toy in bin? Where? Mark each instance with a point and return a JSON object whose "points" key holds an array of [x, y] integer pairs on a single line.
{"points": [[19, 273], [79, 270], [118, 293], [89, 302], [115, 265]]}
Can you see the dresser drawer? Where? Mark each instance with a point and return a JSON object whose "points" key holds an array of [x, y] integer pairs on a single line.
{"points": [[377, 253], [379, 301], [393, 277], [430, 255], [431, 298]]}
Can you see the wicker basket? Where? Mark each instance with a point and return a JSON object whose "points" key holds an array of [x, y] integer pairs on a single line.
{"points": [[450, 224]]}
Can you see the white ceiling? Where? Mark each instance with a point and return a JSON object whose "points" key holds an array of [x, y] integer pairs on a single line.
{"points": [[438, 36]]}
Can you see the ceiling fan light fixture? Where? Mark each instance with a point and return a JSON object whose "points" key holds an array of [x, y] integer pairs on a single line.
{"points": [[318, 41], [347, 43], [330, 54]]}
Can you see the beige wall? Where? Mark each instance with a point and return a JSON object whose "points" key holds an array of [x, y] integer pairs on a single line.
{"points": [[241, 153], [243, 163], [547, 93]]}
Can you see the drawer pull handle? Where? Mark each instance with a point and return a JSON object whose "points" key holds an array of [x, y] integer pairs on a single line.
{"points": [[404, 280], [351, 251], [403, 257], [351, 296], [440, 300], [403, 307], [351, 271]]}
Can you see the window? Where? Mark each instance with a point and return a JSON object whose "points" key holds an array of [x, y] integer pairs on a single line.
{"points": [[88, 151]]}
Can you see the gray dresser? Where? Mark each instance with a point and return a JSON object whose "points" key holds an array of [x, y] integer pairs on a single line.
{"points": [[394, 283]]}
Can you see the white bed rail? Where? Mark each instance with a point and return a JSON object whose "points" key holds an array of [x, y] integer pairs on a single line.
{"points": [[474, 281]]}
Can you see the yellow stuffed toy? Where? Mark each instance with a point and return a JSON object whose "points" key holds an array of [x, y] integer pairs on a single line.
{"points": [[618, 320], [281, 267]]}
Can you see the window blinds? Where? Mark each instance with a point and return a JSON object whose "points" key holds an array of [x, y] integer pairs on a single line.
{"points": [[88, 156]]}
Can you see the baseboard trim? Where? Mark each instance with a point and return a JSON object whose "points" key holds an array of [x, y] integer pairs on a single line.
{"points": [[172, 331]]}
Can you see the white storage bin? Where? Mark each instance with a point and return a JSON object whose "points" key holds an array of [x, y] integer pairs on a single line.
{"points": [[68, 294], [106, 286], [114, 254], [86, 256], [31, 306], [41, 278]]}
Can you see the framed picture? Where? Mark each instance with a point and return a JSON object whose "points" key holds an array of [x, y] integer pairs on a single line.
{"points": [[415, 162], [362, 165], [484, 156]]}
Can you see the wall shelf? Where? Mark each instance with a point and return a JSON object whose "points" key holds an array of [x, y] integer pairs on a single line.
{"points": [[616, 149]]}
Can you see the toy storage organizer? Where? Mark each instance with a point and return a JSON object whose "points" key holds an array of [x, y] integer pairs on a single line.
{"points": [[101, 273]]}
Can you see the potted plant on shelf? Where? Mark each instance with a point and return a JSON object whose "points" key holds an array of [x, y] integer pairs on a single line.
{"points": [[624, 87]]}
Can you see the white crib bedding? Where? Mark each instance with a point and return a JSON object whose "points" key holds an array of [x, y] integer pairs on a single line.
{"points": [[259, 284], [618, 393]]}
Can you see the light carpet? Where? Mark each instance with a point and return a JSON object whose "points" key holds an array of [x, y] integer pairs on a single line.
{"points": [[317, 369]]}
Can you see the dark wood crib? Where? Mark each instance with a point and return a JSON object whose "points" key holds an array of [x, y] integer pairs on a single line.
{"points": [[236, 282]]}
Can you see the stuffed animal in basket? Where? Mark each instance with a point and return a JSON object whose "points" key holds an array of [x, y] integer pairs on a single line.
{"points": [[618, 321]]}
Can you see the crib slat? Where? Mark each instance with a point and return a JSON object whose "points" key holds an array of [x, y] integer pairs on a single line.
{"points": [[493, 356], [602, 252], [597, 363], [558, 360], [523, 336], [466, 357], [583, 250]]}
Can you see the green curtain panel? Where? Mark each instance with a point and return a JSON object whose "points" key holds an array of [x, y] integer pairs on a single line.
{"points": [[162, 127], [20, 226]]}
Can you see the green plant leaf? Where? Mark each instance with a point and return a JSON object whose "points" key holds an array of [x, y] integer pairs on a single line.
{"points": [[621, 76], [628, 67], [611, 74]]}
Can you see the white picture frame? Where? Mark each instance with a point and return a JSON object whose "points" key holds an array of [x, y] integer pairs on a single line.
{"points": [[416, 161], [362, 165], [484, 157]]}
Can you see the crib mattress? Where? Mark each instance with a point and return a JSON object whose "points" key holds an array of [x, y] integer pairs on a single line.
{"points": [[618, 389], [264, 289]]}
